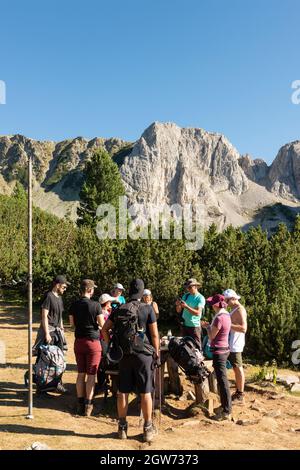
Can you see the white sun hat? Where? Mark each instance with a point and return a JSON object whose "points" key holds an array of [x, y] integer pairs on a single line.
{"points": [[231, 294], [147, 292], [118, 286], [106, 298]]}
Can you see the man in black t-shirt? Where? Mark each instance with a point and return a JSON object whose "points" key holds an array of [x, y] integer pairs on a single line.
{"points": [[84, 315], [51, 330], [136, 370]]}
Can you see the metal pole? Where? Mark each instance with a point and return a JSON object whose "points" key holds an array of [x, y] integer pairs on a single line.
{"points": [[30, 401]]}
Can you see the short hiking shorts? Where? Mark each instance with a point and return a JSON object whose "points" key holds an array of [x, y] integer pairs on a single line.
{"points": [[236, 360], [136, 374], [88, 355]]}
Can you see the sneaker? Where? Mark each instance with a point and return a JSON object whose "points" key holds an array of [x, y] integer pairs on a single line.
{"points": [[149, 433], [88, 409], [222, 417], [122, 431], [238, 397], [80, 409]]}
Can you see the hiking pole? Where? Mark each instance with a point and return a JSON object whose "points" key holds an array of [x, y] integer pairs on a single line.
{"points": [[160, 369], [30, 401]]}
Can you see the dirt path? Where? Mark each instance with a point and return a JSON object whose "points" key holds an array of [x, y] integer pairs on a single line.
{"points": [[55, 425]]}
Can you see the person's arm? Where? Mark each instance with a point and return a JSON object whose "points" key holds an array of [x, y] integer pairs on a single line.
{"points": [[108, 325], [241, 317], [100, 320], [155, 308], [45, 325], [212, 331], [154, 336], [192, 311], [178, 306], [71, 320]]}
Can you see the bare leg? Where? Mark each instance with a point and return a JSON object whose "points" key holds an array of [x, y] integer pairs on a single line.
{"points": [[90, 385], [122, 404], [146, 405], [239, 378], [80, 385]]}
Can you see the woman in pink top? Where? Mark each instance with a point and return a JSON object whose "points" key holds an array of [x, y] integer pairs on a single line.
{"points": [[218, 333], [105, 301]]}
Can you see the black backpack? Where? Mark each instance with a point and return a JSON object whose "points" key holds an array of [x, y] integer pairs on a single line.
{"points": [[127, 333], [187, 353]]}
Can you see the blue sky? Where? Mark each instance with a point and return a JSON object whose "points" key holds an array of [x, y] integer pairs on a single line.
{"points": [[111, 68]]}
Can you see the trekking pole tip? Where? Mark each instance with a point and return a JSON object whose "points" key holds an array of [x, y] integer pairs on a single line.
{"points": [[29, 417]]}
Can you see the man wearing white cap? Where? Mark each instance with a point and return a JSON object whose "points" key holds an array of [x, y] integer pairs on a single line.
{"points": [[237, 341], [117, 292]]}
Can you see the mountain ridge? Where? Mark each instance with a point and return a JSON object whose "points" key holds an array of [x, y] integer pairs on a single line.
{"points": [[168, 164]]}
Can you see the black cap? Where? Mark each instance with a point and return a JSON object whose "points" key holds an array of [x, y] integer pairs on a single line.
{"points": [[61, 280], [136, 289]]}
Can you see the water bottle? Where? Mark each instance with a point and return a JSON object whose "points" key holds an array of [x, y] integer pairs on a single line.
{"points": [[169, 335]]}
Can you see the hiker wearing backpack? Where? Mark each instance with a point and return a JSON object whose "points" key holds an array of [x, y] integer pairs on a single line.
{"points": [[85, 315], [237, 341], [190, 307], [218, 333], [135, 336], [51, 330]]}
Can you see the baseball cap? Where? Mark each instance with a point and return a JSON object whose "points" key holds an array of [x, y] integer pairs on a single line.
{"points": [[136, 289], [87, 284], [118, 286], [147, 292], [61, 280], [217, 299], [107, 298], [192, 282], [231, 294]]}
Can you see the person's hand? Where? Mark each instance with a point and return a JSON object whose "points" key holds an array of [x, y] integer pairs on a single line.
{"points": [[183, 304], [157, 362], [205, 324], [48, 338], [178, 302]]}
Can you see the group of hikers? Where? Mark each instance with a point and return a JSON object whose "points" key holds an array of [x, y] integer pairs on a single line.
{"points": [[128, 328]]}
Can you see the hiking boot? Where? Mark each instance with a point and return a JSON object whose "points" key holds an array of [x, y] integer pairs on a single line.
{"points": [[149, 433], [88, 409], [80, 409], [122, 431], [222, 416], [238, 398], [61, 389]]}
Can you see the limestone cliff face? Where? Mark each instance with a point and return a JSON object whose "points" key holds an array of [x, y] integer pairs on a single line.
{"points": [[57, 168], [256, 170], [284, 174], [169, 164]]}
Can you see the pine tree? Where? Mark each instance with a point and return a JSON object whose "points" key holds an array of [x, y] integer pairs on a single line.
{"points": [[102, 185]]}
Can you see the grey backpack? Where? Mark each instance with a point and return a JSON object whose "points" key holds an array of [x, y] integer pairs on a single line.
{"points": [[50, 367]]}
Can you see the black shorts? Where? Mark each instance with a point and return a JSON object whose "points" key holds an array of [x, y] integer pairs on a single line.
{"points": [[136, 374]]}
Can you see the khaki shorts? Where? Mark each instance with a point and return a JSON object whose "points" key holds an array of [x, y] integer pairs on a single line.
{"points": [[236, 359]]}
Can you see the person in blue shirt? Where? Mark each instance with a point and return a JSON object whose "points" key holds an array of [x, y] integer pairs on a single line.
{"points": [[190, 307], [117, 292]]}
